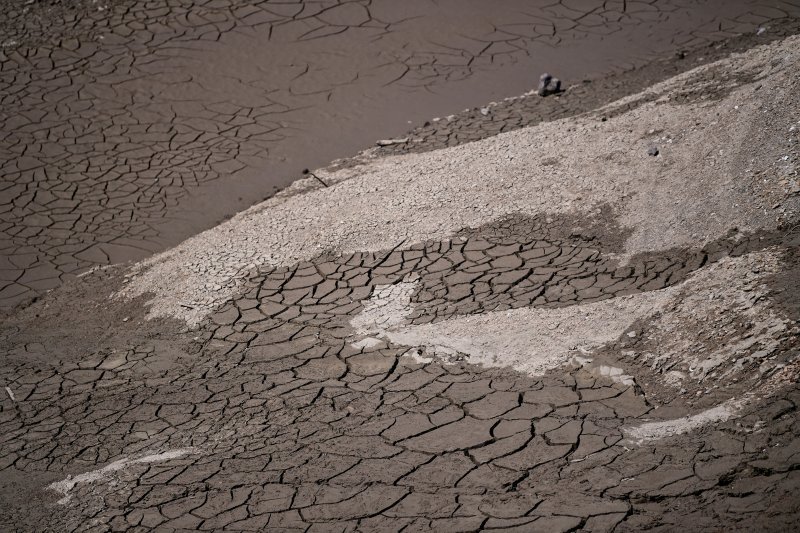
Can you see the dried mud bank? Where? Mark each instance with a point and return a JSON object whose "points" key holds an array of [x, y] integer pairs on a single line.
{"points": [[127, 126], [546, 330], [728, 162]]}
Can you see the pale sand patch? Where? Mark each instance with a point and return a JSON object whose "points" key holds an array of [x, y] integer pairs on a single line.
{"points": [[687, 195], [534, 340], [528, 340]]}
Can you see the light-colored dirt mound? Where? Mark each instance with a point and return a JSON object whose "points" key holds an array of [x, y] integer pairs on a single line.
{"points": [[705, 180]]}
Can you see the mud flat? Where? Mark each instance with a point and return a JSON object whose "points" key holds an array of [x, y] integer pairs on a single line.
{"points": [[129, 126], [548, 329]]}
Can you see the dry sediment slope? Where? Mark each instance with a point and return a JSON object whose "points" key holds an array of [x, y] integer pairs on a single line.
{"points": [[726, 135]]}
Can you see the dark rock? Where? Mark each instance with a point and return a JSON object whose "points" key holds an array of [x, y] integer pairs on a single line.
{"points": [[653, 150], [548, 85], [544, 81]]}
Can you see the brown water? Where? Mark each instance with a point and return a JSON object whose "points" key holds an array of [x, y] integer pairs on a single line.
{"points": [[131, 128]]}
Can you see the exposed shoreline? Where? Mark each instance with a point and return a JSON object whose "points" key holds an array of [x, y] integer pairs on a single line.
{"points": [[555, 328], [134, 168]]}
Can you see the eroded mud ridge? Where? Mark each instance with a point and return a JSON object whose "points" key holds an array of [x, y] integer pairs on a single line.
{"points": [[126, 125], [545, 330]]}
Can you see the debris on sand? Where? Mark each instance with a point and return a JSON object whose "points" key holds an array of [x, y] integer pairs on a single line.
{"points": [[390, 142]]}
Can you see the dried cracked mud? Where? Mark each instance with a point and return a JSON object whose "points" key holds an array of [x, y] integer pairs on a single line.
{"points": [[545, 329], [130, 126]]}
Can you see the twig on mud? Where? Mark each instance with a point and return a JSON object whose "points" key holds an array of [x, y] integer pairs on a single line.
{"points": [[309, 173]]}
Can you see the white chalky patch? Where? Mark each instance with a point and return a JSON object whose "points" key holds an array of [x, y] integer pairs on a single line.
{"points": [[65, 486], [418, 357], [658, 430], [612, 372], [520, 339], [615, 374], [367, 342], [534, 340], [529, 340], [386, 308]]}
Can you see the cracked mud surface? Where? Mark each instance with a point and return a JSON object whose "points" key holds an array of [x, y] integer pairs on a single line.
{"points": [[554, 365], [381, 381], [128, 126], [273, 416]]}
